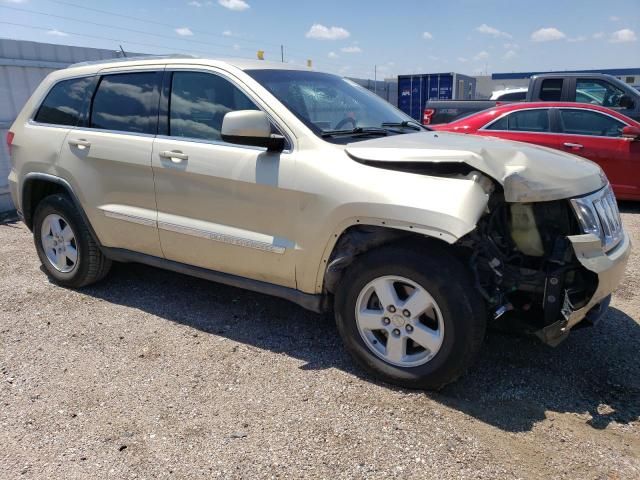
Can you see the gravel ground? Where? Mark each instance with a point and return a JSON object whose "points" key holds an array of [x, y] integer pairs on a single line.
{"points": [[152, 374]]}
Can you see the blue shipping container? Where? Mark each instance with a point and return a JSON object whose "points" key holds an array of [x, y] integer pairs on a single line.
{"points": [[415, 90]]}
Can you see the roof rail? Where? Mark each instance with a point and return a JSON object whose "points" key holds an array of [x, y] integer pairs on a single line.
{"points": [[127, 59]]}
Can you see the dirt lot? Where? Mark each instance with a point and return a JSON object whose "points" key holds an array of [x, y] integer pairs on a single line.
{"points": [[151, 374]]}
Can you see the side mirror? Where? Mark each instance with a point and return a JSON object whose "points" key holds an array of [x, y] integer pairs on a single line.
{"points": [[250, 127], [631, 132], [626, 101]]}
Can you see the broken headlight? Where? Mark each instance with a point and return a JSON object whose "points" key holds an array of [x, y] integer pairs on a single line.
{"points": [[598, 214]]}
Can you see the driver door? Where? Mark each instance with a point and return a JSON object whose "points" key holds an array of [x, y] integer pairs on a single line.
{"points": [[221, 206]]}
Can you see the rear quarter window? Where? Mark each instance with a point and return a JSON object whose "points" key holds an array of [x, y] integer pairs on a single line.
{"points": [[66, 101]]}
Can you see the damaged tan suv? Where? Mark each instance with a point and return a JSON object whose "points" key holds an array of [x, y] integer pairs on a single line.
{"points": [[305, 186]]}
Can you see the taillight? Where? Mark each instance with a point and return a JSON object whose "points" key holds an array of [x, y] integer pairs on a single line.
{"points": [[426, 116], [9, 140]]}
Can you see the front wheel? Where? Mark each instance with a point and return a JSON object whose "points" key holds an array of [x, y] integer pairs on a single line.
{"points": [[414, 320]]}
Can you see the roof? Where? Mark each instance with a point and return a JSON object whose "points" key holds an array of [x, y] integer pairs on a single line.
{"points": [[616, 72], [240, 63], [507, 107]]}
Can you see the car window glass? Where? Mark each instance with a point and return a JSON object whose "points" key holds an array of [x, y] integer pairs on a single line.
{"points": [[586, 122], [500, 124], [551, 90], [127, 102], [524, 121], [65, 102], [598, 92], [199, 102]]}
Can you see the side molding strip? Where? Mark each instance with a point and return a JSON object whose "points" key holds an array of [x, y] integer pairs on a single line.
{"points": [[221, 237]]}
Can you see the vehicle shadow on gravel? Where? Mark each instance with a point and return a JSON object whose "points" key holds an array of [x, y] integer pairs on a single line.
{"points": [[515, 381]]}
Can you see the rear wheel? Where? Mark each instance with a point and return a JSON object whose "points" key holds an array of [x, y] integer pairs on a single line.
{"points": [[413, 320], [68, 252]]}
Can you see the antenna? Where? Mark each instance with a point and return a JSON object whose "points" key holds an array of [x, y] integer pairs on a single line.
{"points": [[124, 54]]}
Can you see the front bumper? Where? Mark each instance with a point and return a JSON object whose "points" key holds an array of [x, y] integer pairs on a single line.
{"points": [[609, 267]]}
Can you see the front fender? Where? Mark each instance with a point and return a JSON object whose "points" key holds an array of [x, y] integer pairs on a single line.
{"points": [[447, 220]]}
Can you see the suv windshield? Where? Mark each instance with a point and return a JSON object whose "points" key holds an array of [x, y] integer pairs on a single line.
{"points": [[332, 106]]}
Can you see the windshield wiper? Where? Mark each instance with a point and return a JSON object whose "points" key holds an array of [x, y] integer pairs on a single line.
{"points": [[359, 131], [406, 124]]}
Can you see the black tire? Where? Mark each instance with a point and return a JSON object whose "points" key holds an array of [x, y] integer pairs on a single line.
{"points": [[449, 283], [91, 265]]}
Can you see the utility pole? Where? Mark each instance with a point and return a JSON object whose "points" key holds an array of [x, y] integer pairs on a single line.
{"points": [[282, 53], [375, 79]]}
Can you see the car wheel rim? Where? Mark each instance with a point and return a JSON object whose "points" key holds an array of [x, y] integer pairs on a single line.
{"points": [[59, 243], [399, 321]]}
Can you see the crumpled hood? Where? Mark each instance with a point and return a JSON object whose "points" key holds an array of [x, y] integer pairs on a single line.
{"points": [[528, 173]]}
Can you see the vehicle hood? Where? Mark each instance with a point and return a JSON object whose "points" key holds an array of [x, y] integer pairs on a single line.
{"points": [[528, 173]]}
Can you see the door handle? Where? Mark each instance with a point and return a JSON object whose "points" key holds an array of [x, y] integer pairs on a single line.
{"points": [[80, 143], [573, 146], [174, 155]]}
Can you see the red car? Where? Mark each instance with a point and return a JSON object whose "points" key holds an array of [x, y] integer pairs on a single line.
{"points": [[610, 139]]}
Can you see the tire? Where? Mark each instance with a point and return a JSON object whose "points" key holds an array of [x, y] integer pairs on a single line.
{"points": [[75, 270], [453, 324]]}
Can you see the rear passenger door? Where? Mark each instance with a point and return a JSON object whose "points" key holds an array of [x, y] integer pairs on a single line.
{"points": [[109, 159], [221, 206], [531, 126]]}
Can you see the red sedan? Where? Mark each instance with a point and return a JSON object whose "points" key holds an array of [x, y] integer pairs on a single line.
{"points": [[605, 136]]}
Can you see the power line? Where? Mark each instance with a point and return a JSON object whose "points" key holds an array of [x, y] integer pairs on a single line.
{"points": [[202, 32], [62, 17], [119, 40]]}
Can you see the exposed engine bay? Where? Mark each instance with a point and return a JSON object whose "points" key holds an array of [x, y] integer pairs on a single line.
{"points": [[524, 266]]}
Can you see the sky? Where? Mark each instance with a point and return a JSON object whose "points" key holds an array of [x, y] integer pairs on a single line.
{"points": [[351, 37]]}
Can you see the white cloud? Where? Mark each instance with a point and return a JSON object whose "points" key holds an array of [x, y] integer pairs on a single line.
{"points": [[494, 32], [579, 38], [511, 46], [547, 34], [237, 5], [333, 55], [236, 46], [53, 31], [510, 54], [427, 35], [320, 32], [433, 57], [598, 35], [623, 36], [184, 31], [16, 1], [483, 55], [614, 18], [462, 60], [351, 49], [195, 3], [227, 33]]}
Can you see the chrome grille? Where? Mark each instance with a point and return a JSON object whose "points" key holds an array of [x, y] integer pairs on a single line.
{"points": [[598, 214]]}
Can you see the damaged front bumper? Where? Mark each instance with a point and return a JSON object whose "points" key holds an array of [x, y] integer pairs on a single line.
{"points": [[609, 267]]}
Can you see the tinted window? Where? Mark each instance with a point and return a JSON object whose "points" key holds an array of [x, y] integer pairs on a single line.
{"points": [[598, 92], [551, 90], [127, 102], [65, 102], [524, 121], [585, 122], [198, 103], [512, 97]]}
